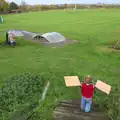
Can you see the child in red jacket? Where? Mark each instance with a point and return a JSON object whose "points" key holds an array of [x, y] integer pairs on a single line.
{"points": [[87, 89]]}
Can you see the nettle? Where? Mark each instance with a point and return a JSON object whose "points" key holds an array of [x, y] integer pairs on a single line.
{"points": [[17, 91]]}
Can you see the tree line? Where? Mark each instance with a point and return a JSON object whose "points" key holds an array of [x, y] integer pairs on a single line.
{"points": [[6, 7]]}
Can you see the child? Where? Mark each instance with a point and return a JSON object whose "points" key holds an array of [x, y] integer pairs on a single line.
{"points": [[87, 88], [11, 39]]}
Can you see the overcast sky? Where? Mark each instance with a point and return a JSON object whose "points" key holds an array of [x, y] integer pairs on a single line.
{"points": [[32, 2]]}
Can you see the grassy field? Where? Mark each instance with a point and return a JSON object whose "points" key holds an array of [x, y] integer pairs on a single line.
{"points": [[94, 29]]}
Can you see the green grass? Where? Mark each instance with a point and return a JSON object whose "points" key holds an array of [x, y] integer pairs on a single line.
{"points": [[94, 29]]}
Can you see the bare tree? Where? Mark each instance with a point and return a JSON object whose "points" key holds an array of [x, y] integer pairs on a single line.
{"points": [[23, 5]]}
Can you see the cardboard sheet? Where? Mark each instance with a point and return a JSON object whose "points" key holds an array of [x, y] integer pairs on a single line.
{"points": [[103, 87], [72, 81]]}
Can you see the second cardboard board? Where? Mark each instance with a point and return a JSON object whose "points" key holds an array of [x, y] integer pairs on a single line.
{"points": [[103, 87]]}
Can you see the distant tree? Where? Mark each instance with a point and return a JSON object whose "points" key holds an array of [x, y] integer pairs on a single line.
{"points": [[29, 8], [65, 5], [13, 6], [51, 6], [24, 6], [38, 7], [3, 5], [6, 6]]}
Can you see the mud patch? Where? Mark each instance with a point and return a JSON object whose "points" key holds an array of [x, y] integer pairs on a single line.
{"points": [[60, 44]]}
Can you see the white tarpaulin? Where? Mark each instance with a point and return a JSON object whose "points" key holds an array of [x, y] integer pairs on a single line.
{"points": [[17, 33], [53, 37]]}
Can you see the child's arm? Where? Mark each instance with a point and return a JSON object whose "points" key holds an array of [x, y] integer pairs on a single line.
{"points": [[81, 84], [94, 90]]}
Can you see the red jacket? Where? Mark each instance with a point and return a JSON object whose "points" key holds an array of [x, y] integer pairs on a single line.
{"points": [[87, 90]]}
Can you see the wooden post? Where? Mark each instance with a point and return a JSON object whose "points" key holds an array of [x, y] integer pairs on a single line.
{"points": [[45, 90], [116, 32], [75, 7], [116, 44]]}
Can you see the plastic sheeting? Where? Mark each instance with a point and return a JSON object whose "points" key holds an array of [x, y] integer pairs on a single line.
{"points": [[29, 33], [17, 33], [1, 20], [53, 37]]}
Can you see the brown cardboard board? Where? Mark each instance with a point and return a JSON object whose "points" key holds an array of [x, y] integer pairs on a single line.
{"points": [[103, 87], [72, 81]]}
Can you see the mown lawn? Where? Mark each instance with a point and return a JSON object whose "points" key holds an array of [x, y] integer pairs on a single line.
{"points": [[94, 29]]}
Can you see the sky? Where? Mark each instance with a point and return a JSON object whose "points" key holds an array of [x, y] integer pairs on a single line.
{"points": [[32, 2]]}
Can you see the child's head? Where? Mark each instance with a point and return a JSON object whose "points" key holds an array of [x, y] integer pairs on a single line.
{"points": [[88, 79]]}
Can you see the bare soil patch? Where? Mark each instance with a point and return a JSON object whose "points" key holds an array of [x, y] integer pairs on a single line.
{"points": [[107, 49]]}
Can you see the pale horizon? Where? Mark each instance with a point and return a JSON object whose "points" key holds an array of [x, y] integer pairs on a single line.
{"points": [[33, 2]]}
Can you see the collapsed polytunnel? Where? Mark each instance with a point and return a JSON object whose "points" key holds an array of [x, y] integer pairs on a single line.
{"points": [[51, 37]]}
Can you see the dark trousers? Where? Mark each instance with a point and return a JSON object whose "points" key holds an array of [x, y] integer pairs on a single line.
{"points": [[7, 41], [13, 44]]}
